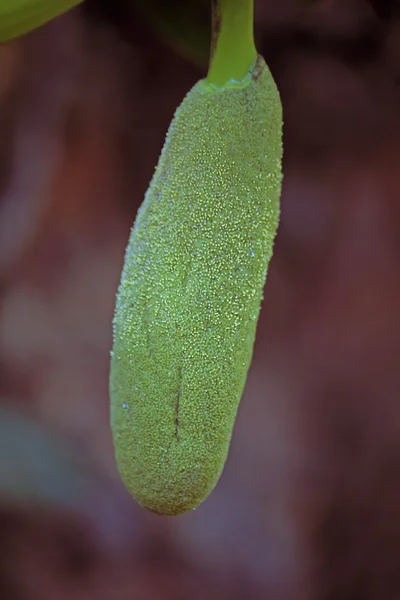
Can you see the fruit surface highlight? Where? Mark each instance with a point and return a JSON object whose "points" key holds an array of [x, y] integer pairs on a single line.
{"points": [[191, 291]]}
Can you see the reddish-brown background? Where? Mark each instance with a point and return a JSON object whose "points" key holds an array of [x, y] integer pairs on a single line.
{"points": [[308, 507]]}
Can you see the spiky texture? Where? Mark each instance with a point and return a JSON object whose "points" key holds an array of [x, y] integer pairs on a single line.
{"points": [[191, 290]]}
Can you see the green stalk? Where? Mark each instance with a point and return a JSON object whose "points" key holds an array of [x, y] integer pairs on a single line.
{"points": [[233, 51]]}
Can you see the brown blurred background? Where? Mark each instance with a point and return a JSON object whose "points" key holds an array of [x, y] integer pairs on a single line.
{"points": [[308, 507]]}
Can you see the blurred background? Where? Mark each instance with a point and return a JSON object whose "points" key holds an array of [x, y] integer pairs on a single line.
{"points": [[308, 507]]}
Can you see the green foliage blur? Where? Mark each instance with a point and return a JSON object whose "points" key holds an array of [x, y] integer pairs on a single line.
{"points": [[18, 17]]}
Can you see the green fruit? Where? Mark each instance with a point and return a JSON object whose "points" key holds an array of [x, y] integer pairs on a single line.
{"points": [[191, 290], [21, 16]]}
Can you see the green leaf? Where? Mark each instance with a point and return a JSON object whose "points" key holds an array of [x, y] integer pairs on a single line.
{"points": [[18, 17], [183, 25]]}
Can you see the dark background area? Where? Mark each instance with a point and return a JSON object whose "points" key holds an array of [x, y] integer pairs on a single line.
{"points": [[308, 507]]}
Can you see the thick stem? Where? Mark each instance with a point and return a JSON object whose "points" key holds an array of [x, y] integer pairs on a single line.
{"points": [[233, 51]]}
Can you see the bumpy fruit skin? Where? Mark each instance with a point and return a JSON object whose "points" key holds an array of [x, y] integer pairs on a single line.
{"points": [[191, 290]]}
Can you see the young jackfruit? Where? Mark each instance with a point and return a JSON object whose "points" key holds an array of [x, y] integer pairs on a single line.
{"points": [[191, 290]]}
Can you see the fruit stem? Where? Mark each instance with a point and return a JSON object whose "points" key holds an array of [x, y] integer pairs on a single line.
{"points": [[233, 51]]}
